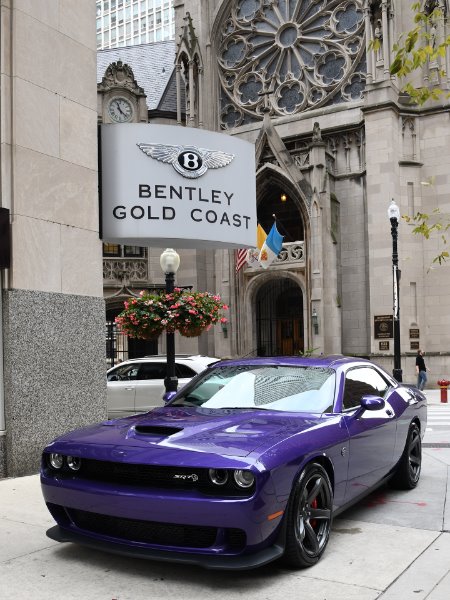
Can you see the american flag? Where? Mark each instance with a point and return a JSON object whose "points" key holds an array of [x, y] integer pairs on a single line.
{"points": [[241, 258]]}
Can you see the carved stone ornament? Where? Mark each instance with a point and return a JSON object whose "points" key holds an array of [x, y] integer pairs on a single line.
{"points": [[120, 75], [289, 56]]}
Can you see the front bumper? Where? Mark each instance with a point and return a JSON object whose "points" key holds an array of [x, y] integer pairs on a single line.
{"points": [[238, 562], [120, 506]]}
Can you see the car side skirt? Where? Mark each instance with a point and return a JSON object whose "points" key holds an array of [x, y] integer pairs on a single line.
{"points": [[363, 494]]}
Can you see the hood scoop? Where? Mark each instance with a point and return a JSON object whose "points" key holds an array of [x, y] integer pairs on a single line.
{"points": [[158, 430]]}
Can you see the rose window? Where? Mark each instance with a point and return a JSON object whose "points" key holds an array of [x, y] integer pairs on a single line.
{"points": [[289, 56]]}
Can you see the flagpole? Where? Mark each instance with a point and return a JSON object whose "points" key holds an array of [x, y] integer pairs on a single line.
{"points": [[280, 226]]}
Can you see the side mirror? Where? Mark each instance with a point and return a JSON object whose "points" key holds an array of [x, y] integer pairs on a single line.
{"points": [[113, 378], [370, 402], [167, 397]]}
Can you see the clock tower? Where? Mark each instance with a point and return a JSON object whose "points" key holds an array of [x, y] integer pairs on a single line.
{"points": [[120, 99]]}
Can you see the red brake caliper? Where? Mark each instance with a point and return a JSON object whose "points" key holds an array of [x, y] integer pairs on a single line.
{"points": [[314, 504]]}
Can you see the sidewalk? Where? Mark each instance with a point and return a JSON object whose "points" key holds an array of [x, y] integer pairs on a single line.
{"points": [[391, 546], [434, 397]]}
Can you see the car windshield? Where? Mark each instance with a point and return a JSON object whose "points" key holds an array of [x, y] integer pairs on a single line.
{"points": [[286, 388]]}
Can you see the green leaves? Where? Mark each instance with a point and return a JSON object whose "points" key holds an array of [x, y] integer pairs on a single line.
{"points": [[427, 225], [417, 48]]}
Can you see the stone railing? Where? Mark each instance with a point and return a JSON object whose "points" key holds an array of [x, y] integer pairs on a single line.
{"points": [[117, 270], [292, 255]]}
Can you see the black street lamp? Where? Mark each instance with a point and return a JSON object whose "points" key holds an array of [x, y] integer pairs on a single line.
{"points": [[170, 261], [394, 217]]}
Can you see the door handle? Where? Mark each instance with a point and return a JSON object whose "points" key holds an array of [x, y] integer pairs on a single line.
{"points": [[129, 389]]}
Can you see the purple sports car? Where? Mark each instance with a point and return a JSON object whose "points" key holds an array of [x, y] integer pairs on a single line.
{"points": [[248, 463]]}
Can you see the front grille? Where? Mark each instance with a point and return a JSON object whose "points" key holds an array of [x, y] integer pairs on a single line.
{"points": [[154, 533], [151, 476]]}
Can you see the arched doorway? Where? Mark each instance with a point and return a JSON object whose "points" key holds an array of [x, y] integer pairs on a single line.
{"points": [[279, 318]]}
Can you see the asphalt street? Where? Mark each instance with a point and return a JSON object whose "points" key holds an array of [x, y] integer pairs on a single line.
{"points": [[391, 546]]}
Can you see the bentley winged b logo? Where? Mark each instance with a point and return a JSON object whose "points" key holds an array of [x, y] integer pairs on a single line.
{"points": [[189, 161]]}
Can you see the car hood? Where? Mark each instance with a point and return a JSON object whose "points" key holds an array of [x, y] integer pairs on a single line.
{"points": [[226, 432]]}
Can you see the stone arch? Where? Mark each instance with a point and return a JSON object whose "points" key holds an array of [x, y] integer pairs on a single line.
{"points": [[255, 286], [270, 175]]}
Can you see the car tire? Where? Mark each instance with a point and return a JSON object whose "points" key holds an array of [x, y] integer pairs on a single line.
{"points": [[407, 472], [309, 517]]}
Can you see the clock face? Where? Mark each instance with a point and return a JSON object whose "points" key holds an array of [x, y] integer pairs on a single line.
{"points": [[120, 110]]}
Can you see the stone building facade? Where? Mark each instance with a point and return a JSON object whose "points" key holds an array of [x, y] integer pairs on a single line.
{"points": [[52, 349], [335, 140]]}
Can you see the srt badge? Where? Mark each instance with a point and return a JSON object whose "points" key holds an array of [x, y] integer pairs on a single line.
{"points": [[189, 161]]}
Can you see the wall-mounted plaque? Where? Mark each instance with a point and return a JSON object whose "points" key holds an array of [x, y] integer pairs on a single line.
{"points": [[383, 326], [414, 334], [384, 345], [414, 345]]}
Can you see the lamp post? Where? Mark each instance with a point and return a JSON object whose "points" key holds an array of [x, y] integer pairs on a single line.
{"points": [[394, 217], [170, 261]]}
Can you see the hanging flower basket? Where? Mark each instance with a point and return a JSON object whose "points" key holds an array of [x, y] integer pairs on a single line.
{"points": [[190, 313], [191, 331], [144, 317], [195, 312], [151, 334]]}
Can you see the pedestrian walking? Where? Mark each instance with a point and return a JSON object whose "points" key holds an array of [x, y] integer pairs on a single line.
{"points": [[421, 370]]}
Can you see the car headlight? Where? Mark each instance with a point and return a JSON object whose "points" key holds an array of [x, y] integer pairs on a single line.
{"points": [[74, 463], [218, 476], [56, 460], [244, 479]]}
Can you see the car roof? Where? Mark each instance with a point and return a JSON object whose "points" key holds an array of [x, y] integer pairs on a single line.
{"points": [[333, 361], [197, 358]]}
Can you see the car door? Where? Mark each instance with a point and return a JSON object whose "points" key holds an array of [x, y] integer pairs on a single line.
{"points": [[371, 434], [121, 389], [150, 384]]}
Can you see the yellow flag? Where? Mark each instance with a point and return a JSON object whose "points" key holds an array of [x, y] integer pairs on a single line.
{"points": [[260, 236]]}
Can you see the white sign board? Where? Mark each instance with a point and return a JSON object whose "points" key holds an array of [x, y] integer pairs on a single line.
{"points": [[167, 185]]}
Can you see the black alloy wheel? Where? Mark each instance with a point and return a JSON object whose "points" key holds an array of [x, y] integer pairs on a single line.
{"points": [[309, 517], [407, 472]]}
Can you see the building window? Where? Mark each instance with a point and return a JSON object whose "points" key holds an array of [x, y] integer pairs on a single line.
{"points": [[116, 250], [137, 251], [111, 249]]}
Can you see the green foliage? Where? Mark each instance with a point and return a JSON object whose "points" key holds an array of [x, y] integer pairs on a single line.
{"points": [[415, 48], [428, 225], [308, 352]]}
